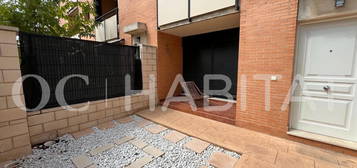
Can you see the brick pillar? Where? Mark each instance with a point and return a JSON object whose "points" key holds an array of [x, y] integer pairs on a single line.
{"points": [[14, 134], [267, 44]]}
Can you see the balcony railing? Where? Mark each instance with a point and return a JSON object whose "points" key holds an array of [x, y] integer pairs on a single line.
{"points": [[170, 11], [108, 28]]}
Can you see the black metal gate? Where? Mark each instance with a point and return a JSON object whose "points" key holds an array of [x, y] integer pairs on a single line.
{"points": [[212, 53], [54, 58]]}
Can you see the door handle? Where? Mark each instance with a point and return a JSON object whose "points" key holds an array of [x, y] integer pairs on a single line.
{"points": [[326, 88]]}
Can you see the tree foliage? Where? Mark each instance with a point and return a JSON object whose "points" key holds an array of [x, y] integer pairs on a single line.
{"points": [[49, 17]]}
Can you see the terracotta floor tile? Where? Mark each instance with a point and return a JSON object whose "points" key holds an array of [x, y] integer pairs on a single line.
{"points": [[348, 163], [324, 164], [249, 162], [222, 160], [124, 120], [262, 152], [85, 132], [175, 136], [285, 160], [313, 152], [155, 129], [197, 145]]}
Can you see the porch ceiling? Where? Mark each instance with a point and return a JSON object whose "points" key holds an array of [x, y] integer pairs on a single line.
{"points": [[205, 26]]}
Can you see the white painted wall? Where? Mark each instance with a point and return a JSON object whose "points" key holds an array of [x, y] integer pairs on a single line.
{"points": [[172, 10], [199, 7]]}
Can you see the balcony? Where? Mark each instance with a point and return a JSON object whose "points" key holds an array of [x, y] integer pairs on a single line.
{"points": [[184, 17], [174, 11], [107, 30]]}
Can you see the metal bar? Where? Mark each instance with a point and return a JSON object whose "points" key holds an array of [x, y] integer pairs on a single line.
{"points": [[189, 11], [157, 14], [237, 4]]}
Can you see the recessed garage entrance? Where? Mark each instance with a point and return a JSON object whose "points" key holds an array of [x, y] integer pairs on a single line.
{"points": [[326, 60], [212, 53]]}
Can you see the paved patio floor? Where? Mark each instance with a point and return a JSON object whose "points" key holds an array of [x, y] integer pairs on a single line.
{"points": [[130, 142], [258, 150]]}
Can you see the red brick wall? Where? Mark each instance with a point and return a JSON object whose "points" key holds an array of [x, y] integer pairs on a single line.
{"points": [[144, 11], [267, 43], [169, 62]]}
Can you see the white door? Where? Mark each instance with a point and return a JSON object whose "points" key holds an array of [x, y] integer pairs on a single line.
{"points": [[326, 61]]}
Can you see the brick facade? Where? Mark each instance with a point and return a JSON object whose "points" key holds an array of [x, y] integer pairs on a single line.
{"points": [[169, 61], [267, 46], [14, 133], [138, 11]]}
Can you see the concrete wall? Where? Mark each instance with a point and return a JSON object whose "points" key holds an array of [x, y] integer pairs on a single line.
{"points": [[317, 9], [169, 61], [14, 133]]}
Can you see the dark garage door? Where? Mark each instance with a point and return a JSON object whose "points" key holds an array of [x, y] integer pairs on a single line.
{"points": [[211, 53]]}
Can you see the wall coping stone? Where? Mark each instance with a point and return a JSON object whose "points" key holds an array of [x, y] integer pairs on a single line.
{"points": [[9, 28]]}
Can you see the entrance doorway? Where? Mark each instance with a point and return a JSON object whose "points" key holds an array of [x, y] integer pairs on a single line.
{"points": [[212, 53], [326, 60]]}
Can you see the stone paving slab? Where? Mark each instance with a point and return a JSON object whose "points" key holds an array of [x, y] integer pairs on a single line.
{"points": [[143, 123], [222, 160], [197, 145], [153, 151], [85, 132], [156, 129], [138, 143], [106, 125], [81, 161], [92, 166], [123, 140], [101, 149], [124, 120], [140, 162], [175, 136]]}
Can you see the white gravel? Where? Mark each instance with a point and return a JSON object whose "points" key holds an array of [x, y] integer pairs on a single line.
{"points": [[60, 154]]}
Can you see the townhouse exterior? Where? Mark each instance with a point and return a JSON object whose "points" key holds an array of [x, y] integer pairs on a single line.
{"points": [[271, 50], [287, 45]]}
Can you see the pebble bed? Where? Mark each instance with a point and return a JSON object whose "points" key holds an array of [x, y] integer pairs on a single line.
{"points": [[59, 154]]}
